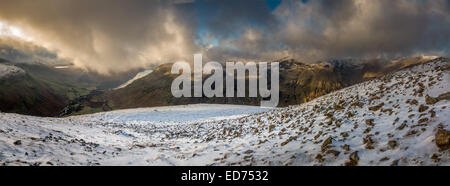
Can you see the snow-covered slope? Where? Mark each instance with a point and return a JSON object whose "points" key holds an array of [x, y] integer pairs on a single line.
{"points": [[10, 70], [138, 76], [117, 137], [398, 119]]}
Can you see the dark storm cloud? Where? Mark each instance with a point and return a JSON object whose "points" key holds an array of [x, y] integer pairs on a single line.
{"points": [[321, 29], [359, 28], [116, 35], [232, 29]]}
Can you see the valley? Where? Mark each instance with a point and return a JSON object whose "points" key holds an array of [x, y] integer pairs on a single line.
{"points": [[299, 83]]}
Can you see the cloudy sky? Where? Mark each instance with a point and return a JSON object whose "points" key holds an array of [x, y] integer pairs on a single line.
{"points": [[116, 35]]}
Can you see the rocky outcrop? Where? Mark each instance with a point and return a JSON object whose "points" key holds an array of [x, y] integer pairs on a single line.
{"points": [[442, 139]]}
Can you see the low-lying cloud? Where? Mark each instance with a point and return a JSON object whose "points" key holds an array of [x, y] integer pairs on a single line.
{"points": [[20, 51], [103, 35]]}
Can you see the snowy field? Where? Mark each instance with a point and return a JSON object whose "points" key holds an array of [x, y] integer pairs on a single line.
{"points": [[399, 119], [177, 114]]}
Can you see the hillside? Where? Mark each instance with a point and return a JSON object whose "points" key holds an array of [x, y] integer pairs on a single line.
{"points": [[41, 90], [397, 119], [21, 93]]}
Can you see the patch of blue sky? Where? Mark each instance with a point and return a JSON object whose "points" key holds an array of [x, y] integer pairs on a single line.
{"points": [[273, 4]]}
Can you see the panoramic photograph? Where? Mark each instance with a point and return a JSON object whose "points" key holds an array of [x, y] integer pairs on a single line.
{"points": [[224, 83]]}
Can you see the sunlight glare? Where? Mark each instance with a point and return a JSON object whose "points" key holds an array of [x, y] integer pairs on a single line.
{"points": [[7, 30]]}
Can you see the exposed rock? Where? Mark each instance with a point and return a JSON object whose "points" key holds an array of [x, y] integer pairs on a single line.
{"points": [[377, 107], [402, 126], [370, 122], [289, 140], [271, 127], [442, 139], [354, 158], [430, 100], [338, 107], [334, 152], [435, 157], [357, 104], [346, 147], [18, 142], [432, 113], [423, 120], [392, 144], [248, 152], [444, 96], [319, 158], [369, 142], [395, 163], [327, 143], [423, 108]]}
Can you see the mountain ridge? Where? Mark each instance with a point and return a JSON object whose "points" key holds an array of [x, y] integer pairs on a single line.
{"points": [[299, 83]]}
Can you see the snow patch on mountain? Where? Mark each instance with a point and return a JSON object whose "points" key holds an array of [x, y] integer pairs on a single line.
{"points": [[10, 70], [138, 76]]}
